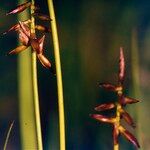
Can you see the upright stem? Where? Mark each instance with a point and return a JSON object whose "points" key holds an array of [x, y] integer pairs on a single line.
{"points": [[35, 86], [117, 124], [58, 75]]}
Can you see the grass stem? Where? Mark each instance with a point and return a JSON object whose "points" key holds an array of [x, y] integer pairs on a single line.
{"points": [[58, 75], [8, 135], [35, 85]]}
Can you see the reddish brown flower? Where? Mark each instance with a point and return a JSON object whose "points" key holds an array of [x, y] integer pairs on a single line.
{"points": [[19, 8], [42, 28], [127, 100], [42, 16], [108, 86], [102, 118], [129, 136], [103, 107], [127, 118]]}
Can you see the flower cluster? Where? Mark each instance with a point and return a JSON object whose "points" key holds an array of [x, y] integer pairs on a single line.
{"points": [[119, 106], [26, 37]]}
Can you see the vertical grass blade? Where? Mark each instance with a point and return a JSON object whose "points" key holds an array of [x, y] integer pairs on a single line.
{"points": [[30, 128], [58, 75], [35, 85], [8, 135]]}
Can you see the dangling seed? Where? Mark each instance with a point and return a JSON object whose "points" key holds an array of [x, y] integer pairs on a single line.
{"points": [[42, 28], [19, 8], [129, 136], [42, 16], [45, 62], [18, 49], [127, 118]]}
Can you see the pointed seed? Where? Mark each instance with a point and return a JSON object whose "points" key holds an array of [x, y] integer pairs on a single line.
{"points": [[19, 8], [103, 107], [18, 49], [129, 136]]}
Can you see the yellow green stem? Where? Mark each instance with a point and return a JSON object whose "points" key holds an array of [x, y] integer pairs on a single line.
{"points": [[35, 85], [58, 75], [117, 123], [8, 135]]}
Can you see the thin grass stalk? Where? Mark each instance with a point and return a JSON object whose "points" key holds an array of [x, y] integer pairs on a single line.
{"points": [[135, 78], [58, 75], [35, 85], [25, 87], [8, 135]]}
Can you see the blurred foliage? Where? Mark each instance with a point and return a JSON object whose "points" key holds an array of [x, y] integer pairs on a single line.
{"points": [[90, 34]]}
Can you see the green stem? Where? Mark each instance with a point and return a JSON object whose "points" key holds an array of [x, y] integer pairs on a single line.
{"points": [[58, 75], [35, 85], [8, 135]]}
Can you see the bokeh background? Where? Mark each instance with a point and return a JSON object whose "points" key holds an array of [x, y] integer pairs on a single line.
{"points": [[90, 34]]}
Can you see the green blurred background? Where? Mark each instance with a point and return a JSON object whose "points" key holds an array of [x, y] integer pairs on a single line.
{"points": [[90, 34]]}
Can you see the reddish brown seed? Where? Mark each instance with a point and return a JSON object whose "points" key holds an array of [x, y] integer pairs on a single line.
{"points": [[23, 38], [103, 107], [42, 28], [19, 8], [42, 16], [127, 100], [129, 136], [18, 49], [115, 134], [45, 62], [107, 86], [25, 29], [121, 66], [127, 118], [41, 42], [16, 27], [102, 118]]}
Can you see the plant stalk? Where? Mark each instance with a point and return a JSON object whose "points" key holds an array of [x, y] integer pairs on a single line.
{"points": [[8, 135], [58, 75], [35, 85]]}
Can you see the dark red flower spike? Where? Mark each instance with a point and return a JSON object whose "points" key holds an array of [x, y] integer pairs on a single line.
{"points": [[121, 66], [119, 105], [20, 8], [129, 136]]}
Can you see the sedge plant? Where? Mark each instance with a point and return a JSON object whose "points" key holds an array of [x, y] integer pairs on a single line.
{"points": [[27, 37], [119, 106]]}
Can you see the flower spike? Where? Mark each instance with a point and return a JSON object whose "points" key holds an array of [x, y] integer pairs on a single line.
{"points": [[121, 66], [119, 105], [20, 8]]}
